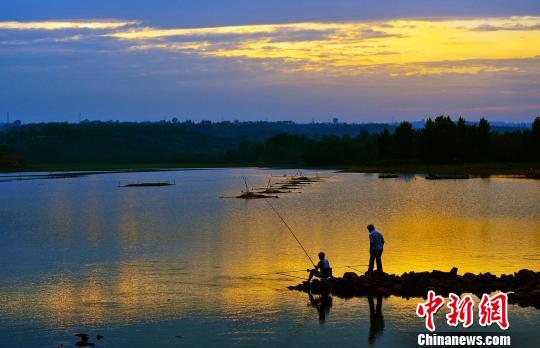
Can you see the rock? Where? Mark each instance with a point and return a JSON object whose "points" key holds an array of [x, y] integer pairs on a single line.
{"points": [[438, 274], [434, 288], [507, 278], [422, 275], [525, 275], [351, 276], [83, 340], [525, 285], [379, 274], [535, 293]]}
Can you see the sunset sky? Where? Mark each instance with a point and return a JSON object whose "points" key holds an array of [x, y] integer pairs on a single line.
{"points": [[360, 61]]}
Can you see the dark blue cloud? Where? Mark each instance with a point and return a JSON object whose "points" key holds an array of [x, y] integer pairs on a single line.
{"points": [[56, 76]]}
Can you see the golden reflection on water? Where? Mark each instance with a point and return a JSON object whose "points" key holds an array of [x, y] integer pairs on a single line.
{"points": [[168, 266]]}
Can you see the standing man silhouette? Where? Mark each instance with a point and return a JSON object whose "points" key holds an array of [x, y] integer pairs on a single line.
{"points": [[376, 245], [376, 318]]}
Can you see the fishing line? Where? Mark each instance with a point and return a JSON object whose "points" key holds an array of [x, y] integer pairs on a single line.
{"points": [[297, 271], [293, 234], [272, 273], [354, 269], [350, 266], [290, 275], [290, 230]]}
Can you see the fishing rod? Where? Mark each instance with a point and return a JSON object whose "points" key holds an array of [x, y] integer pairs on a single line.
{"points": [[290, 230]]}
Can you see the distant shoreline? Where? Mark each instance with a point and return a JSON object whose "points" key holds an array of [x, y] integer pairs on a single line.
{"points": [[475, 169]]}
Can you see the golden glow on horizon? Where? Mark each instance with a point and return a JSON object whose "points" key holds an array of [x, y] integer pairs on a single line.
{"points": [[407, 47], [394, 47], [59, 25]]}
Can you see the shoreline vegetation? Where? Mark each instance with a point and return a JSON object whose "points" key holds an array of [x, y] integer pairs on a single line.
{"points": [[520, 170], [441, 146], [510, 169]]}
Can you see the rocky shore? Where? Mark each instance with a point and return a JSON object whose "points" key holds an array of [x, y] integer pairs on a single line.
{"points": [[523, 287]]}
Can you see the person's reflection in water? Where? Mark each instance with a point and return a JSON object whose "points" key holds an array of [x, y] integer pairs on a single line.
{"points": [[376, 318], [322, 303]]}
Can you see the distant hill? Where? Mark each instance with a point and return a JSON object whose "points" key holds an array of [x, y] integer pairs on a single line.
{"points": [[501, 127]]}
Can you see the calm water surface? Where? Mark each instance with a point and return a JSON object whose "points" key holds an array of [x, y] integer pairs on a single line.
{"points": [[144, 265]]}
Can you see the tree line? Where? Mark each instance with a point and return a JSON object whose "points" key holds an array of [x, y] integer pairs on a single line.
{"points": [[441, 140], [171, 141]]}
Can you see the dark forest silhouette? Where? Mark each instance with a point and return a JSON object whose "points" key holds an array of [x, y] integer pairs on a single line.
{"points": [[441, 140]]}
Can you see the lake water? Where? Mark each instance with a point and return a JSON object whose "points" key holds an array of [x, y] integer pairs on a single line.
{"points": [[143, 265]]}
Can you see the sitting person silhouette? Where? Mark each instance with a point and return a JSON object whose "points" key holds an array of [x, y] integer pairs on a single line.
{"points": [[322, 270], [322, 303]]}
